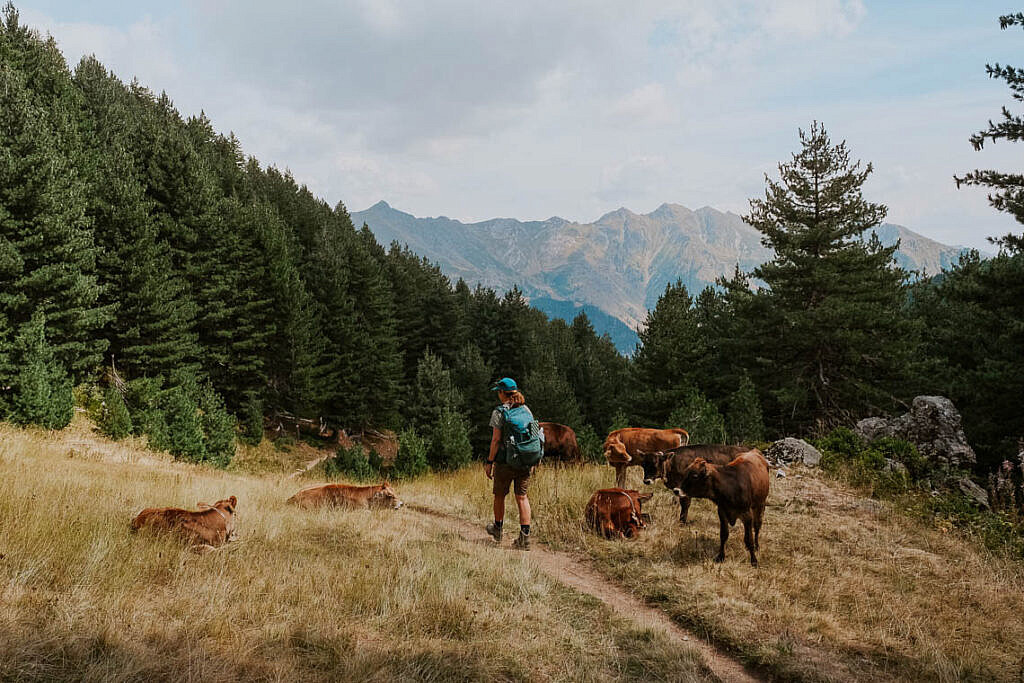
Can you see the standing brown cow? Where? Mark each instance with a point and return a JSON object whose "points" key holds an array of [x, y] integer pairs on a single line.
{"points": [[623, 445], [739, 489], [616, 512], [560, 443], [670, 465]]}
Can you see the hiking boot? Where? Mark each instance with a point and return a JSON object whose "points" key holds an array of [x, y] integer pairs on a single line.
{"points": [[522, 542], [494, 531]]}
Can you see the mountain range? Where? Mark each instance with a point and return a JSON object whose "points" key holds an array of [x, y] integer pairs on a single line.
{"points": [[614, 268]]}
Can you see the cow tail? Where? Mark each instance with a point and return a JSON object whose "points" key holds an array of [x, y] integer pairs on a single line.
{"points": [[684, 437]]}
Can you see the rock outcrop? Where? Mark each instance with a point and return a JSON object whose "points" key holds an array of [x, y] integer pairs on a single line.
{"points": [[933, 425], [790, 450]]}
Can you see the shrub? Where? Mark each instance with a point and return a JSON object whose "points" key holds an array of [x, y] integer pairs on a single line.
{"points": [[351, 463], [841, 441], [619, 421], [114, 420], [904, 452], [184, 426], [449, 447], [411, 460]]}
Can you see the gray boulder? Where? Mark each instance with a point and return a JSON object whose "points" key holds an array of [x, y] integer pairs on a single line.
{"points": [[974, 492], [793, 450], [933, 425]]}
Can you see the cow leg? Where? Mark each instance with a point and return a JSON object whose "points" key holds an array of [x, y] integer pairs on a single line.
{"points": [[723, 535], [684, 508], [620, 476], [758, 517], [748, 538]]}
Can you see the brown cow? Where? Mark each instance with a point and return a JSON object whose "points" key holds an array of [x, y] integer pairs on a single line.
{"points": [[739, 489], [560, 443], [345, 495], [616, 513], [669, 466], [623, 444], [212, 526]]}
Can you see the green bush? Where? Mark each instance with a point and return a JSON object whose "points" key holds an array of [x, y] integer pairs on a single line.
{"points": [[904, 452], [114, 420], [743, 416], [449, 447], [841, 441], [351, 463], [411, 460], [184, 425]]}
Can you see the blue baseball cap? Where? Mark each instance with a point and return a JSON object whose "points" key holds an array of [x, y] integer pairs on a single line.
{"points": [[505, 384]]}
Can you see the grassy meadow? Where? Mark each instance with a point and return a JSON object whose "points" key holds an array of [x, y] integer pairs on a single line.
{"points": [[848, 588], [325, 595]]}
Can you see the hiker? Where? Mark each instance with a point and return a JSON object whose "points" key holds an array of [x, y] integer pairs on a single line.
{"points": [[517, 444]]}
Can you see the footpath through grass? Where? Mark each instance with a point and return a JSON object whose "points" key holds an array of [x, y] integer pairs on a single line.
{"points": [[848, 588], [326, 595]]}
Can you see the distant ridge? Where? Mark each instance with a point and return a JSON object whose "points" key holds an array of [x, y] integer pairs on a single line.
{"points": [[617, 265]]}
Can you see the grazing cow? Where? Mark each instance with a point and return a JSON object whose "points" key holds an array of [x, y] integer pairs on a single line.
{"points": [[560, 443], [616, 513], [623, 444], [669, 466], [211, 526], [739, 489], [344, 495]]}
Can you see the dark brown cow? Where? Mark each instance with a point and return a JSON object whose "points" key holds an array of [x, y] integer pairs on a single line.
{"points": [[623, 445], [560, 444], [739, 489], [616, 513], [345, 495], [212, 526], [669, 466]]}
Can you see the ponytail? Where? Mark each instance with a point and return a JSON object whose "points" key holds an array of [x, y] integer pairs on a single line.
{"points": [[515, 398]]}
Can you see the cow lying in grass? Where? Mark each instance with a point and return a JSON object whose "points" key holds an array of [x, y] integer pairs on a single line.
{"points": [[622, 445], [616, 513], [669, 466], [345, 495], [205, 529], [739, 489]]}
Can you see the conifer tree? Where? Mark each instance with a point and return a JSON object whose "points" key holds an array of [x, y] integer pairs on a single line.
{"points": [[41, 388], [115, 421], [743, 418], [699, 417], [667, 362], [1008, 188], [473, 379], [48, 254], [833, 333]]}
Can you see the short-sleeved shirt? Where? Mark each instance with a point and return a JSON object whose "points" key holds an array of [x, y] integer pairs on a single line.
{"points": [[498, 422]]}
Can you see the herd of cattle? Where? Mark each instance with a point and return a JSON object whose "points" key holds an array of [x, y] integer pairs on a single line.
{"points": [[735, 478]]}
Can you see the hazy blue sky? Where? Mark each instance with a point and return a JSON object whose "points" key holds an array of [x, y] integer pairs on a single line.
{"points": [[536, 108]]}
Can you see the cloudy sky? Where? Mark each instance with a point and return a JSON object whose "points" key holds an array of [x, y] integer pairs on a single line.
{"points": [[534, 108]]}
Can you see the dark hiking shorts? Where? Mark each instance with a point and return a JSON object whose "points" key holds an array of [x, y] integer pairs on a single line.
{"points": [[505, 475]]}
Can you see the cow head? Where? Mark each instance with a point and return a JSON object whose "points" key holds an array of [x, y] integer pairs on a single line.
{"points": [[696, 479], [654, 465], [615, 451], [386, 497], [226, 508]]}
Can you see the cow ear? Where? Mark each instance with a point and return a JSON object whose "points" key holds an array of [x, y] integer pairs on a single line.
{"points": [[234, 501]]}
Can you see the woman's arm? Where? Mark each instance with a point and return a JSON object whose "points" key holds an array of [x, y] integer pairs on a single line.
{"points": [[495, 445]]}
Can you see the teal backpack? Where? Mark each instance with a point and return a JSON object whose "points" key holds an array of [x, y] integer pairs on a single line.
{"points": [[525, 445]]}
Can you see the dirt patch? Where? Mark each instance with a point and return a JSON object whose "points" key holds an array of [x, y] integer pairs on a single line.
{"points": [[573, 572]]}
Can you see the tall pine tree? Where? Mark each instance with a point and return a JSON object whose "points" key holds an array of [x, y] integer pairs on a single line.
{"points": [[833, 333]]}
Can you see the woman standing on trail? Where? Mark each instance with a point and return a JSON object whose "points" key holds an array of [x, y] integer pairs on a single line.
{"points": [[515, 448]]}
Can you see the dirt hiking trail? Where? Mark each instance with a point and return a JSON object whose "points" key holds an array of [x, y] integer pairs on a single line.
{"points": [[572, 572]]}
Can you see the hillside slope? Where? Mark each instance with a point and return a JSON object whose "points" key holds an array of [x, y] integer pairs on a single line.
{"points": [[619, 264]]}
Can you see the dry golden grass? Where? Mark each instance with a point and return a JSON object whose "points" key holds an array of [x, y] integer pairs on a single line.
{"points": [[325, 595], [848, 589]]}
